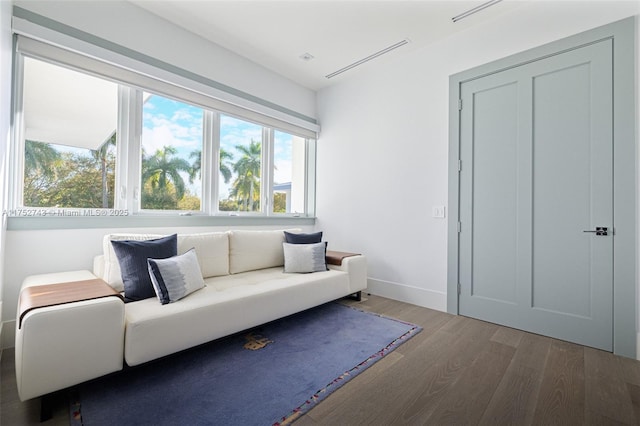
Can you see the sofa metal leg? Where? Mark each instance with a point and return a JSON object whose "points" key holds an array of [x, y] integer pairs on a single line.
{"points": [[46, 407], [356, 296]]}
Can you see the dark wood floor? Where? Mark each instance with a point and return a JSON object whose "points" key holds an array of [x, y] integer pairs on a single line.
{"points": [[457, 371]]}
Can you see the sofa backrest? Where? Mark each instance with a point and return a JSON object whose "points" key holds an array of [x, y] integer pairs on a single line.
{"points": [[212, 250], [219, 253], [250, 250]]}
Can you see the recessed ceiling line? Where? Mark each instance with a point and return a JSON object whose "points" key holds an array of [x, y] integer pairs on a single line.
{"points": [[368, 58], [474, 10]]}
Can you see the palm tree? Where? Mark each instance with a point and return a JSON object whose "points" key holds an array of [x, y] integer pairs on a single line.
{"points": [[196, 167], [225, 170], [102, 154], [225, 164], [39, 156], [247, 185], [163, 168]]}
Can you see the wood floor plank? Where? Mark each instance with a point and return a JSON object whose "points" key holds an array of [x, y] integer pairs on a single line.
{"points": [[630, 369], [470, 395], [507, 336], [561, 396], [435, 385], [514, 402], [606, 393], [634, 393]]}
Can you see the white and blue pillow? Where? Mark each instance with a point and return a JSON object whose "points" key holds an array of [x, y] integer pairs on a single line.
{"points": [[304, 258], [175, 277]]}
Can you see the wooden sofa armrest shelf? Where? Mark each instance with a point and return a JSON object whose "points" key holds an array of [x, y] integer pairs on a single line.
{"points": [[41, 296], [336, 257]]}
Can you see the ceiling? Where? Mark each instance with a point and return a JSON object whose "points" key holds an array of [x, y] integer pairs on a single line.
{"points": [[275, 34]]}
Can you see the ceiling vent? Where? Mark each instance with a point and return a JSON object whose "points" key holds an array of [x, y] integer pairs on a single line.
{"points": [[474, 10], [368, 58]]}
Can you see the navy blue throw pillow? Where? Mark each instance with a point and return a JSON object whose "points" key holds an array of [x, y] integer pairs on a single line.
{"points": [[132, 257], [314, 238]]}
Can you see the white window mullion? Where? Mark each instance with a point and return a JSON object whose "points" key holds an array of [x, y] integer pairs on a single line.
{"points": [[310, 178], [122, 145], [267, 171], [208, 162], [215, 163], [133, 149], [16, 177]]}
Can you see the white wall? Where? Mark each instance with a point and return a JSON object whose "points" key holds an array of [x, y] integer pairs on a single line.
{"points": [[382, 152], [5, 105]]}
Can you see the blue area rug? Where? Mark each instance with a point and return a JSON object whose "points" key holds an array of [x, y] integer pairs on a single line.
{"points": [[270, 375]]}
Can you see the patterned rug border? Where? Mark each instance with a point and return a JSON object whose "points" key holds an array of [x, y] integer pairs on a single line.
{"points": [[345, 377]]}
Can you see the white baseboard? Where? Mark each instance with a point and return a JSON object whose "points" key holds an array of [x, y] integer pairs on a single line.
{"points": [[408, 294], [8, 334]]}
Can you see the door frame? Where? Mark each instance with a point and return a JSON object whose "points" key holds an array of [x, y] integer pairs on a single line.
{"points": [[624, 160]]}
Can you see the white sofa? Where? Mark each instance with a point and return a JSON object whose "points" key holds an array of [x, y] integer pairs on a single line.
{"points": [[245, 286]]}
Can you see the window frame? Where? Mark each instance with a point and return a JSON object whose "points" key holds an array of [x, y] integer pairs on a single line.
{"points": [[128, 150]]}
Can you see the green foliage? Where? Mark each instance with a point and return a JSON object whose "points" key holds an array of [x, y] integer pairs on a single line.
{"points": [[73, 180], [189, 202], [66, 180], [163, 184], [246, 188], [279, 202], [228, 205]]}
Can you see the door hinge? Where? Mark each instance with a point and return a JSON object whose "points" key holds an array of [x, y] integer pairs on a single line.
{"points": [[459, 227], [459, 165], [459, 288], [459, 104]]}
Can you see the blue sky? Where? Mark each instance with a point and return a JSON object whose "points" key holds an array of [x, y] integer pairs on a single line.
{"points": [[167, 122]]}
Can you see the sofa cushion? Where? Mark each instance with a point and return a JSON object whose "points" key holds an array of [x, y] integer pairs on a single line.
{"points": [[212, 250], [175, 277], [226, 305], [304, 258], [295, 238], [111, 273], [252, 250], [132, 256]]}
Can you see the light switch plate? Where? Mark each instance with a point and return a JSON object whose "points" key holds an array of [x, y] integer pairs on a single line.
{"points": [[438, 211]]}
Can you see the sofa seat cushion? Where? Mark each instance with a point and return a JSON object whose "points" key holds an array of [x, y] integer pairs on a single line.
{"points": [[225, 305]]}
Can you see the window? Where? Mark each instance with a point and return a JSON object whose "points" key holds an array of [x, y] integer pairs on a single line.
{"points": [[91, 135], [289, 155], [172, 140], [70, 121], [240, 165]]}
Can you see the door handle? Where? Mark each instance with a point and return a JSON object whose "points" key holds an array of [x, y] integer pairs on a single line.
{"points": [[600, 231]]}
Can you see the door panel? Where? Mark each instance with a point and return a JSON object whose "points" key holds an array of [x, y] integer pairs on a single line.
{"points": [[536, 151], [494, 238], [562, 191]]}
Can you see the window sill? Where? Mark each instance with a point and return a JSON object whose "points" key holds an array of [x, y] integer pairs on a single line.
{"points": [[146, 221]]}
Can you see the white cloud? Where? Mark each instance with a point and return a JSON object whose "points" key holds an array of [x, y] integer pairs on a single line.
{"points": [[156, 138]]}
